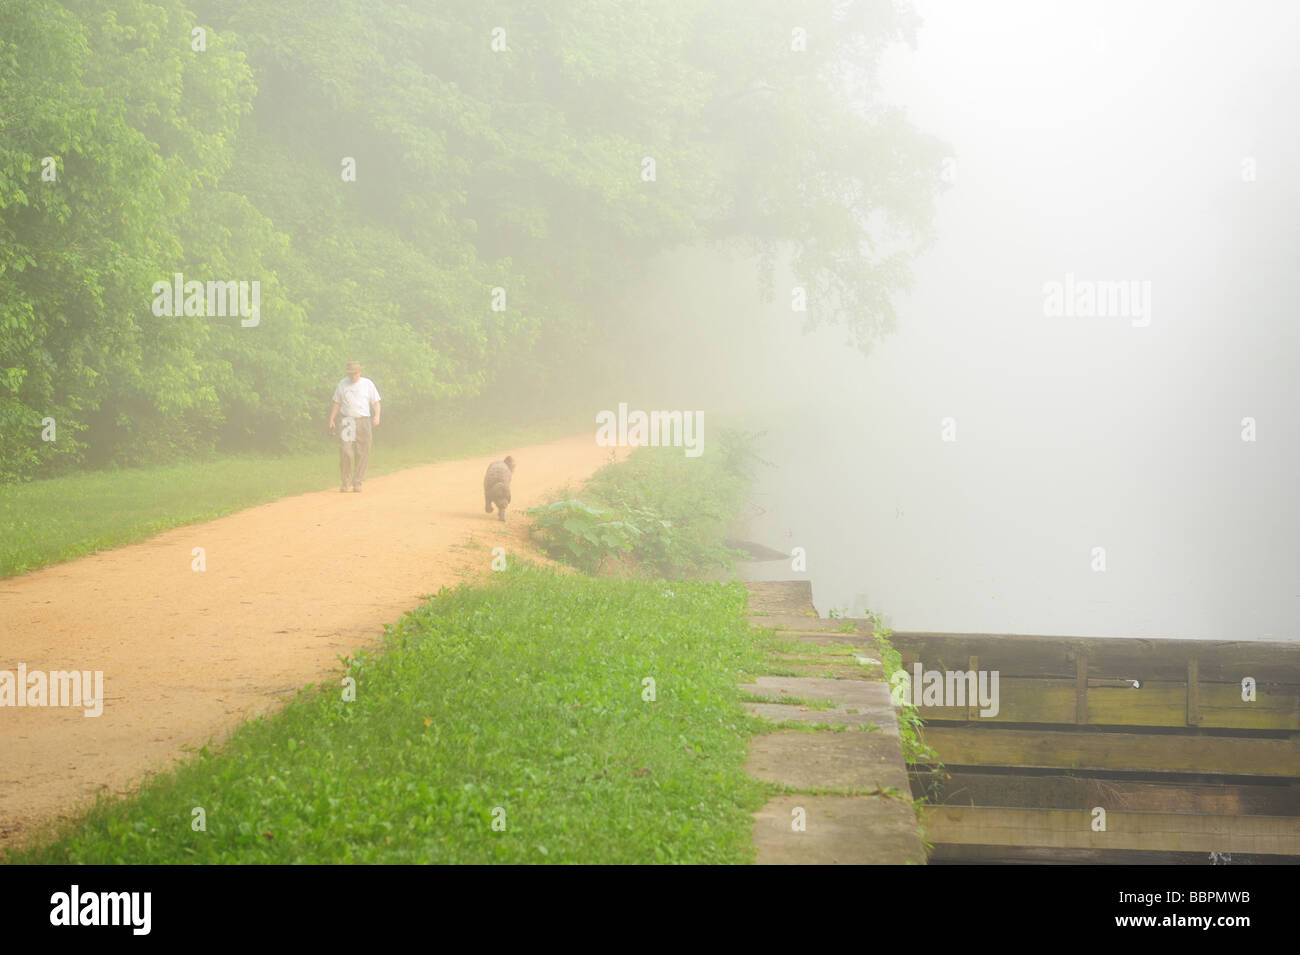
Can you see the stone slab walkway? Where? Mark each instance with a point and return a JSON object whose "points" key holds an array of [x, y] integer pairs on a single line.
{"points": [[847, 800]]}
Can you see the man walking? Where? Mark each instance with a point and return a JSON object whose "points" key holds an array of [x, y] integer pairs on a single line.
{"points": [[358, 398]]}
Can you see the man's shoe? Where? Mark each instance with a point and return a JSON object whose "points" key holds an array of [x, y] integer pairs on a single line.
{"points": [[343, 489], [356, 488]]}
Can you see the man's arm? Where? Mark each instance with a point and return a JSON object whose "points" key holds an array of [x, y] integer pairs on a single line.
{"points": [[374, 411], [333, 413]]}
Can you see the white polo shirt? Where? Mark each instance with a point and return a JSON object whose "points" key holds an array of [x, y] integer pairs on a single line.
{"points": [[354, 399]]}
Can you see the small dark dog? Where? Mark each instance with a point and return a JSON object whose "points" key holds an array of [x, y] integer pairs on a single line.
{"points": [[496, 486]]}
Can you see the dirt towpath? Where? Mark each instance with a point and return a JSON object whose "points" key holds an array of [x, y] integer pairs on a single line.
{"points": [[288, 587]]}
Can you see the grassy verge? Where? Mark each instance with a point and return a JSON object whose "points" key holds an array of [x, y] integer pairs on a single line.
{"points": [[657, 512], [523, 700], [911, 728], [918, 754], [45, 522]]}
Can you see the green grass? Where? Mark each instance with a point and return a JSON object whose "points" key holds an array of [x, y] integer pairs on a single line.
{"points": [[911, 728], [45, 522], [524, 694], [656, 513]]}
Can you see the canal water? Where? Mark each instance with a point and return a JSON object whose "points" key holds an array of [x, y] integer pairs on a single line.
{"points": [[1074, 160]]}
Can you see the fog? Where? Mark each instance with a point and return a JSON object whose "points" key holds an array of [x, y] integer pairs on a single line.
{"points": [[1100, 142]]}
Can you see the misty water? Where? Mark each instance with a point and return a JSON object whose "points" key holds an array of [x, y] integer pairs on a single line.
{"points": [[1108, 150]]}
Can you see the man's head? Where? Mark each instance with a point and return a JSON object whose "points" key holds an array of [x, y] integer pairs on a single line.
{"points": [[354, 370]]}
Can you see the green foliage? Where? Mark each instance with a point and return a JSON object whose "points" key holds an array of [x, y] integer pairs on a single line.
{"points": [[664, 511], [474, 169], [526, 695], [585, 536], [911, 728]]}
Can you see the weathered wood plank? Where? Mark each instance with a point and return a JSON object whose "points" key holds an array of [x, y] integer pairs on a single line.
{"points": [[1218, 705], [1038, 855], [1081, 689], [1059, 791], [1144, 831], [1127, 752], [1218, 661]]}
